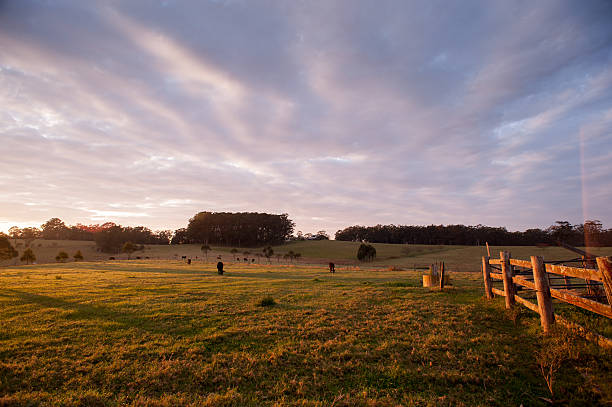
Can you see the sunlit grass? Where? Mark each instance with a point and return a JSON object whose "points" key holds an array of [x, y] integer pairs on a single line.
{"points": [[168, 333]]}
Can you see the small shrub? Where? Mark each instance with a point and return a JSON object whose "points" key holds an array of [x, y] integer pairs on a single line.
{"points": [[58, 277], [266, 301], [78, 256], [557, 349], [516, 313], [61, 257]]}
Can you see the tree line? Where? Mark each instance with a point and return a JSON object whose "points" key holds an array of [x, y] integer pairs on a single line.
{"points": [[589, 233], [56, 229], [242, 229]]}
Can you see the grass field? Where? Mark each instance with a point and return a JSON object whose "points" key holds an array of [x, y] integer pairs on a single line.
{"points": [[457, 258], [162, 333]]}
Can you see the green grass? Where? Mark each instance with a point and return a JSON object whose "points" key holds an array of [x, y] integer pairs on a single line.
{"points": [[164, 333], [457, 258]]}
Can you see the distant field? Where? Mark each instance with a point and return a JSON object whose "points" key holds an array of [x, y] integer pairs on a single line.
{"points": [[458, 258], [162, 333]]}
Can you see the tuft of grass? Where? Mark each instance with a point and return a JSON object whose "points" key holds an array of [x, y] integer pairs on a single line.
{"points": [[266, 301], [58, 277], [401, 284]]}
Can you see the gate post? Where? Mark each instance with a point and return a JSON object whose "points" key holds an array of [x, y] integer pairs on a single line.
{"points": [[605, 268], [545, 305], [507, 276], [486, 273]]}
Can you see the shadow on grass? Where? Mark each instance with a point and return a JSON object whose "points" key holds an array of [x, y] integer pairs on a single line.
{"points": [[178, 326], [124, 318]]}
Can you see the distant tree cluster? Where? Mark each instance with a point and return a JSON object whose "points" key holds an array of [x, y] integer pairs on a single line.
{"points": [[114, 239], [109, 237], [320, 235], [243, 229], [591, 233]]}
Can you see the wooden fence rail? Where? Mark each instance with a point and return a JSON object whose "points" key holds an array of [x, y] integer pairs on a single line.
{"points": [[537, 277]]}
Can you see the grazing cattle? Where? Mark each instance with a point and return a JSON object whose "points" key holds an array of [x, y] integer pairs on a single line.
{"points": [[332, 267], [188, 261], [220, 268]]}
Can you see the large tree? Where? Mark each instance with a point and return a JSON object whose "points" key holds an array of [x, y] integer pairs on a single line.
{"points": [[28, 256], [129, 248], [7, 251], [205, 249], [54, 229], [110, 240]]}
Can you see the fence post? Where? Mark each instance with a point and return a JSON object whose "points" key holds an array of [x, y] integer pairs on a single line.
{"points": [[507, 276], [605, 268], [486, 272], [442, 276], [545, 305]]}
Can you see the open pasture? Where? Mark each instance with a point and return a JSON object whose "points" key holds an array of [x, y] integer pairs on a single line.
{"points": [[165, 334], [457, 258]]}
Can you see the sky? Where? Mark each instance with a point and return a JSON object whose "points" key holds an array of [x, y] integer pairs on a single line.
{"points": [[336, 112]]}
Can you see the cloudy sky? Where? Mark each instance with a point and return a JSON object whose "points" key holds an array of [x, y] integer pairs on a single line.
{"points": [[335, 112]]}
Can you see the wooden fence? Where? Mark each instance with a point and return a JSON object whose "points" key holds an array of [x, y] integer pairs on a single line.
{"points": [[521, 275]]}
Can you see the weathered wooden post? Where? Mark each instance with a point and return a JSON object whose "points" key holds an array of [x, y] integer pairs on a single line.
{"points": [[545, 305], [605, 268], [442, 276], [507, 276], [486, 273]]}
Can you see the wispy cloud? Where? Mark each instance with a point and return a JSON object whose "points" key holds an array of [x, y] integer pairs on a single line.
{"points": [[334, 112]]}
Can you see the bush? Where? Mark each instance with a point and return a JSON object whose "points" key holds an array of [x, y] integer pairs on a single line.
{"points": [[61, 256], [366, 252], [267, 301], [78, 256]]}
